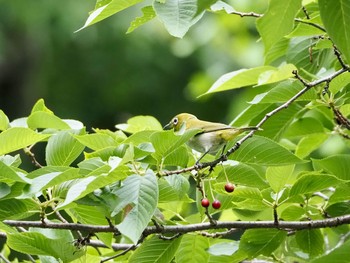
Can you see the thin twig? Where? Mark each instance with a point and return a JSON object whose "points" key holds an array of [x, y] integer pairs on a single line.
{"points": [[4, 259], [252, 14]]}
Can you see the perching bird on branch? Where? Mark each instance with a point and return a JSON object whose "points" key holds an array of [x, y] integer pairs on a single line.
{"points": [[211, 136]]}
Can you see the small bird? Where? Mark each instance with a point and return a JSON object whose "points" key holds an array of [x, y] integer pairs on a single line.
{"points": [[211, 135]]}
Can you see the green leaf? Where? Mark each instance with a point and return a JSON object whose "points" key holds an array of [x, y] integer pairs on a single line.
{"points": [[339, 254], [148, 14], [338, 83], [165, 142], [257, 242], [140, 123], [279, 123], [278, 176], [283, 91], [273, 76], [103, 11], [263, 151], [224, 248], [93, 215], [238, 79], [177, 15], [62, 149], [49, 178], [193, 249], [299, 54], [311, 241], [335, 15], [4, 121], [311, 183], [304, 126], [254, 76], [42, 119], [278, 21], [23, 138], [82, 187], [293, 213], [338, 165], [96, 141], [146, 189], [202, 5], [309, 143], [17, 209], [155, 250], [341, 194], [242, 174], [33, 243], [9, 175]]}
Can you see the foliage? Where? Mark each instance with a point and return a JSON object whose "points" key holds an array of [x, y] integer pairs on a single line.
{"points": [[138, 189]]}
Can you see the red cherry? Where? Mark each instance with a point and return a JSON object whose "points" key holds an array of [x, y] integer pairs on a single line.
{"points": [[229, 187], [216, 204], [205, 202]]}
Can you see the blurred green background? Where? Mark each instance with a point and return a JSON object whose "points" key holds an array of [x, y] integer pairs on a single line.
{"points": [[102, 76]]}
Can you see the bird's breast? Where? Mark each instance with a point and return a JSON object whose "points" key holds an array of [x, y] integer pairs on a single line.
{"points": [[209, 141]]}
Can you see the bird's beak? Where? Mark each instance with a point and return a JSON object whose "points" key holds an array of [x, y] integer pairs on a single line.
{"points": [[168, 126]]}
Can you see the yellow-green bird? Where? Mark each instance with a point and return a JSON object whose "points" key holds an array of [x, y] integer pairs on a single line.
{"points": [[211, 136]]}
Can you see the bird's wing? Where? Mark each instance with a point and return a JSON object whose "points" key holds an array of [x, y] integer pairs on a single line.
{"points": [[212, 127]]}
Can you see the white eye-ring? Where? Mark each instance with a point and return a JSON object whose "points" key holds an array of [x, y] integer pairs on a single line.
{"points": [[175, 121]]}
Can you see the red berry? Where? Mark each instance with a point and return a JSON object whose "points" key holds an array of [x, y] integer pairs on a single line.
{"points": [[205, 202], [216, 204], [229, 187]]}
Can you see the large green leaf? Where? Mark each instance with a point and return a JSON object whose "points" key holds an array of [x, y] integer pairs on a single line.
{"points": [[311, 183], [193, 249], [177, 15], [310, 241], [335, 15], [278, 21], [340, 254], [56, 243], [165, 142], [276, 126], [82, 187], [254, 76], [146, 190], [17, 138], [278, 176], [42, 119], [263, 151], [17, 209], [283, 91], [338, 165], [155, 250], [309, 143], [96, 141], [140, 123], [298, 53], [242, 174], [62, 149], [257, 242], [50, 177], [110, 8], [9, 175]]}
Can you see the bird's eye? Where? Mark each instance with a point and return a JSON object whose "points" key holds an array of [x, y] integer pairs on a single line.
{"points": [[175, 121]]}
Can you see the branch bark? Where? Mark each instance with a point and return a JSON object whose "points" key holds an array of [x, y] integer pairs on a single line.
{"points": [[173, 229]]}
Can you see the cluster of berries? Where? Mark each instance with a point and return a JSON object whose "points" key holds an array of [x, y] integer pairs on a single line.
{"points": [[229, 187]]}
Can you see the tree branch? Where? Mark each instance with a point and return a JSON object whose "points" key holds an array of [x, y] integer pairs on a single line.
{"points": [[174, 229]]}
